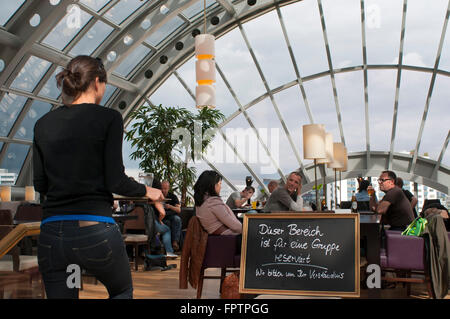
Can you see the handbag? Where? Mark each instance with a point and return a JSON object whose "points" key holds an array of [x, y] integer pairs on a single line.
{"points": [[416, 228]]}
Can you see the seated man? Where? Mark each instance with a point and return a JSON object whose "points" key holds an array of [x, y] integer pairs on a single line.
{"points": [[238, 199], [394, 206], [281, 197], [173, 211]]}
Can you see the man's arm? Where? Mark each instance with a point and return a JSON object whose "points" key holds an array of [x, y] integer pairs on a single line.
{"points": [[382, 207]]}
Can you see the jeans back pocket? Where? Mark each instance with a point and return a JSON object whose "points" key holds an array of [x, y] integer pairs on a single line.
{"points": [[95, 256]]}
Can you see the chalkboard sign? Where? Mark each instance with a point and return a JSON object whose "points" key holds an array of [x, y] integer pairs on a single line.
{"points": [[300, 254]]}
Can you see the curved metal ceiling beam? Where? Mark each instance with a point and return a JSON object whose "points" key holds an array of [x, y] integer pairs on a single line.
{"points": [[430, 89], [423, 174], [397, 86]]}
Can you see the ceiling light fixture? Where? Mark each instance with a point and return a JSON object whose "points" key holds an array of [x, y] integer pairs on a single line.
{"points": [[205, 68]]}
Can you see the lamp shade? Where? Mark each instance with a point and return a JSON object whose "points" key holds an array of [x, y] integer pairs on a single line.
{"points": [[328, 149], [204, 46], [205, 96], [314, 141], [338, 156], [5, 193], [29, 193], [345, 158], [205, 71]]}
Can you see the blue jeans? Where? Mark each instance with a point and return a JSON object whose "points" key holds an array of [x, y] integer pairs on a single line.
{"points": [[164, 230], [99, 249], [174, 222]]}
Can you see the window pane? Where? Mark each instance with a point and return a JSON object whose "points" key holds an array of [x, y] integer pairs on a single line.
{"points": [[383, 27], [37, 110], [31, 73], [292, 107], [322, 104], [15, 156], [303, 26], [8, 9], [108, 93], [92, 40], [411, 102], [95, 4], [223, 158], [350, 90], [122, 10], [197, 8], [266, 121], [343, 23], [436, 126], [133, 59], [444, 62], [164, 31], [10, 107], [237, 65], [381, 87], [276, 64], [423, 31], [67, 28], [50, 89], [165, 95]]}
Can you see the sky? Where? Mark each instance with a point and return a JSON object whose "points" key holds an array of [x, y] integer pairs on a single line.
{"points": [[342, 18]]}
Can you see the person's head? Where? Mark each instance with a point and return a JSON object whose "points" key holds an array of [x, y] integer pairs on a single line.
{"points": [[399, 182], [165, 187], [208, 183], [83, 74], [363, 185], [248, 191], [272, 185], [387, 180], [294, 182]]}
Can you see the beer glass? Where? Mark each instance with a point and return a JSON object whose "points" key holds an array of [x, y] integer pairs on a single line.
{"points": [[146, 179]]}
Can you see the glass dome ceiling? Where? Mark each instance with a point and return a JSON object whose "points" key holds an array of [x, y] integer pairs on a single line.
{"points": [[374, 72]]}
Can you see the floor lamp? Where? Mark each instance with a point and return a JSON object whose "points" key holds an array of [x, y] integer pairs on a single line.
{"points": [[328, 159], [343, 169], [337, 163], [314, 148]]}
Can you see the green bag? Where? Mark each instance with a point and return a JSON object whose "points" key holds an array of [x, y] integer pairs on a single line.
{"points": [[416, 228]]}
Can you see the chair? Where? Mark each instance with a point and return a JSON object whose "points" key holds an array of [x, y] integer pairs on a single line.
{"points": [[28, 212], [404, 256], [431, 201], [136, 240], [6, 217], [220, 253]]}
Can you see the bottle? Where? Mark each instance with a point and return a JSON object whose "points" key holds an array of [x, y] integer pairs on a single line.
{"points": [[354, 203], [324, 204]]}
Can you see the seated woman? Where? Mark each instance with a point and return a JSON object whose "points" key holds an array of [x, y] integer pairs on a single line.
{"points": [[214, 215]]}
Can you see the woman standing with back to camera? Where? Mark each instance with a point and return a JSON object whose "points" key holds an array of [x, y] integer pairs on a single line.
{"points": [[77, 160]]}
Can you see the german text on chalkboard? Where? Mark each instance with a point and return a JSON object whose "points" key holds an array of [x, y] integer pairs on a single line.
{"points": [[300, 254]]}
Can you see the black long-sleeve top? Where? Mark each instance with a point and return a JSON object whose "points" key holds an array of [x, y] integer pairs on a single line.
{"points": [[77, 160]]}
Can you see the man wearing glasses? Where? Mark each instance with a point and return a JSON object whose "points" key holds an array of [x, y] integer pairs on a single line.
{"points": [[394, 206]]}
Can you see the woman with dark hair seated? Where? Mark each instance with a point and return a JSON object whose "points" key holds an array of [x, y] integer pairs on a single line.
{"points": [[214, 215]]}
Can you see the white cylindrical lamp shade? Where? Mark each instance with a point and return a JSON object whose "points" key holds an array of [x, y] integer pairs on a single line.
{"points": [[205, 96], [345, 159], [205, 72], [204, 46], [5, 193], [338, 156], [29, 193], [328, 149], [314, 141]]}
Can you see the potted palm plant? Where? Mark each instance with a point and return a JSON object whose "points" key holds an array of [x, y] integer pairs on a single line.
{"points": [[166, 138]]}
